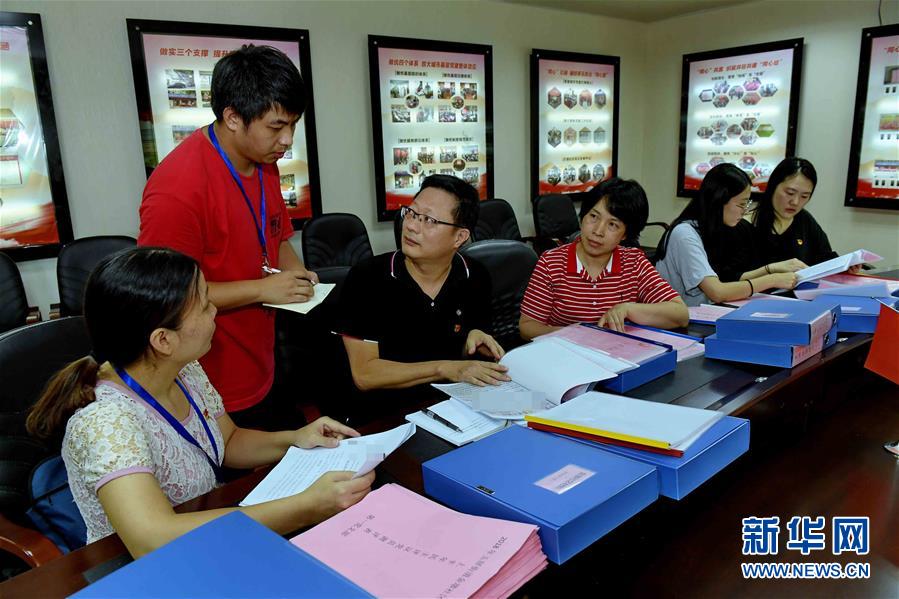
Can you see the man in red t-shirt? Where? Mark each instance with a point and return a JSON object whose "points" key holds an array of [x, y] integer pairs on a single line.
{"points": [[206, 200]]}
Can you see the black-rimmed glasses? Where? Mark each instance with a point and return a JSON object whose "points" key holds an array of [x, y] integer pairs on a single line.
{"points": [[407, 212]]}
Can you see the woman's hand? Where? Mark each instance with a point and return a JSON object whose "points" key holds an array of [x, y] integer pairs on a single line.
{"points": [[615, 317], [791, 265], [324, 432], [334, 492]]}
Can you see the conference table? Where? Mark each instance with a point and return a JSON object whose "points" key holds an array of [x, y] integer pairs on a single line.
{"points": [[817, 432]]}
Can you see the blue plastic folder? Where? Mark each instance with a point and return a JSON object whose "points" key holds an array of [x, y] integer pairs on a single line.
{"points": [[779, 322], [723, 443], [857, 314], [766, 353], [501, 477], [232, 556]]}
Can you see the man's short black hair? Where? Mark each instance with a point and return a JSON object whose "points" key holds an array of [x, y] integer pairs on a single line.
{"points": [[469, 204], [626, 201], [254, 80]]}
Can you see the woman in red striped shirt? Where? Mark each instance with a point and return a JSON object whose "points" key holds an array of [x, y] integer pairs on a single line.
{"points": [[603, 277]]}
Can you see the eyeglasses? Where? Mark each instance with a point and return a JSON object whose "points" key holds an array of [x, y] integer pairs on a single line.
{"points": [[429, 221], [748, 206]]}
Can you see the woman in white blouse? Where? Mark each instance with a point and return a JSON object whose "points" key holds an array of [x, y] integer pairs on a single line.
{"points": [[144, 429]]}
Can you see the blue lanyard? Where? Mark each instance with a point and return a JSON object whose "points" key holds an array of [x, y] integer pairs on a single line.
{"points": [[260, 231], [179, 428]]}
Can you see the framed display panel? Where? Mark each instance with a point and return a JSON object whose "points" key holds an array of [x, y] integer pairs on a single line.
{"points": [[574, 121], [738, 105], [873, 177], [172, 63], [432, 113], [34, 209]]}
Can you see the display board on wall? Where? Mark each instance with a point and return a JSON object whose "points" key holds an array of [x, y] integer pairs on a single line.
{"points": [[34, 209], [738, 105], [172, 64], [574, 121], [432, 113], [873, 178]]}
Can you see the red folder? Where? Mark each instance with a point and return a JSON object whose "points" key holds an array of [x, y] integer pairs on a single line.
{"points": [[677, 453], [884, 357]]}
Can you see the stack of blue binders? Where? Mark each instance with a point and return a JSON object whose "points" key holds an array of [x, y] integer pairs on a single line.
{"points": [[775, 332]]}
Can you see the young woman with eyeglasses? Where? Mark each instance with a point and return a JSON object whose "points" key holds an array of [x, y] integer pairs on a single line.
{"points": [[141, 427], [707, 254]]}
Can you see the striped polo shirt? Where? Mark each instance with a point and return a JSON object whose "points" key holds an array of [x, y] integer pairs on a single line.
{"points": [[561, 292]]}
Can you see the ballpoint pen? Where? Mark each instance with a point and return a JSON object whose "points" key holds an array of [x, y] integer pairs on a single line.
{"points": [[435, 416]]}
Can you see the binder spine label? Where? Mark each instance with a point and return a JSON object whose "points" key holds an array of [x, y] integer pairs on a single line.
{"points": [[564, 479]]}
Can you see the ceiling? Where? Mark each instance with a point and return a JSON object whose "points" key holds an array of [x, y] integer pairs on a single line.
{"points": [[645, 11]]}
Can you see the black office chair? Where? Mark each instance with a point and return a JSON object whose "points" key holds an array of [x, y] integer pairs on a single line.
{"points": [[555, 220], [650, 250], [29, 357], [13, 303], [336, 239], [510, 264], [76, 262], [496, 220]]}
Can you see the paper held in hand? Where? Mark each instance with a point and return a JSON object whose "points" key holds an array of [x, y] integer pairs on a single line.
{"points": [[299, 468], [321, 292], [836, 265]]}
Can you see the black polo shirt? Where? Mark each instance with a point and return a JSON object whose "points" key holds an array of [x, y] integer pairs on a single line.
{"points": [[381, 302]]}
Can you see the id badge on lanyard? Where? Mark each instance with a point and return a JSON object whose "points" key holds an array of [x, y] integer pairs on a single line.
{"points": [[260, 230]]}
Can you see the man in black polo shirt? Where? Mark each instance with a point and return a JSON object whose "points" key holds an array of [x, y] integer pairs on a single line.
{"points": [[419, 315]]}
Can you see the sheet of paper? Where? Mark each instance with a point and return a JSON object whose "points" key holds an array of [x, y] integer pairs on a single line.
{"points": [[551, 367], [321, 292], [473, 424], [616, 346], [611, 415], [686, 348], [300, 468], [755, 296], [707, 313], [509, 400], [836, 265], [395, 543]]}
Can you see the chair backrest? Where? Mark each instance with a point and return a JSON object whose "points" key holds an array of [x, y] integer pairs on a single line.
{"points": [[652, 250], [555, 216], [496, 220], [335, 239], [29, 357], [76, 262], [13, 303], [510, 264]]}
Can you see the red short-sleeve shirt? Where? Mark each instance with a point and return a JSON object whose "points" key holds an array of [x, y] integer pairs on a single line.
{"points": [[191, 204], [561, 292]]}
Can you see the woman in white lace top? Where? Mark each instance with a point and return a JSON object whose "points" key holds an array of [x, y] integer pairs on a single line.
{"points": [[143, 427]]}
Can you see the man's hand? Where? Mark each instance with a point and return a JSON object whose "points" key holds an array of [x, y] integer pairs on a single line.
{"points": [[483, 343], [287, 287], [474, 372]]}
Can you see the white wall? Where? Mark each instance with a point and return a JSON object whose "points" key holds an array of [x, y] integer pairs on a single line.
{"points": [[90, 74], [93, 90], [832, 32]]}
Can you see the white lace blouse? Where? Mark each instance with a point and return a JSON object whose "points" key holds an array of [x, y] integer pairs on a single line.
{"points": [[120, 434]]}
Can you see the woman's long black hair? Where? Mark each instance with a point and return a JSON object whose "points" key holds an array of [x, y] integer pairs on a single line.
{"points": [[720, 185]]}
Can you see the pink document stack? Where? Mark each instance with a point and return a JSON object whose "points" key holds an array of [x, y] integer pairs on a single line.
{"points": [[395, 543]]}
